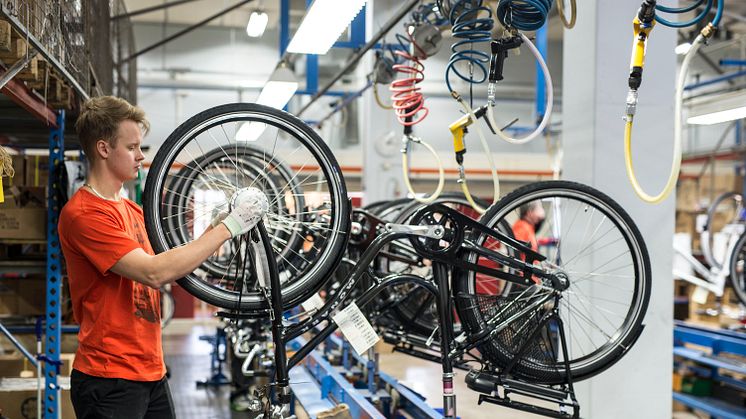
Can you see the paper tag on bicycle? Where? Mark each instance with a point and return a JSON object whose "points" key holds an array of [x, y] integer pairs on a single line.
{"points": [[356, 328], [700, 294], [313, 303]]}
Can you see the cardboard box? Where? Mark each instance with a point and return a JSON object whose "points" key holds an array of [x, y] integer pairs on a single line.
{"points": [[31, 296], [687, 192], [19, 177], [23, 223], [8, 301], [37, 170], [12, 404], [710, 187]]}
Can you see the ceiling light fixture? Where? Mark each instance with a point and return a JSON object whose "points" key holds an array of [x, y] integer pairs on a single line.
{"points": [[257, 24], [278, 91], [323, 25]]}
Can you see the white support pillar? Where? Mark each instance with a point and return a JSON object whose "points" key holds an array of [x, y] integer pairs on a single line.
{"points": [[595, 70], [380, 133]]}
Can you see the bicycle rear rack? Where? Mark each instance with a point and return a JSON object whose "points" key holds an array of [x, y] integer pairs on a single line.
{"points": [[499, 389], [501, 385]]}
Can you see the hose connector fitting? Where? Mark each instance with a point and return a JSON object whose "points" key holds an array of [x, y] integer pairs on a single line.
{"points": [[708, 30], [491, 93], [631, 108]]}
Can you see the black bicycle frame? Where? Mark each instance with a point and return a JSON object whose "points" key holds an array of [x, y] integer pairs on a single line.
{"points": [[282, 334]]}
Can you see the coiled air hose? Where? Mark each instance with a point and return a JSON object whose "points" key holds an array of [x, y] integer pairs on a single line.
{"points": [[470, 29], [643, 25], [524, 15], [408, 101]]}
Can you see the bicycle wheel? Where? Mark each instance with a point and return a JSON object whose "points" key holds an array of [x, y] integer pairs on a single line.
{"points": [[596, 245], [216, 153], [737, 276], [180, 192], [168, 306], [725, 209]]}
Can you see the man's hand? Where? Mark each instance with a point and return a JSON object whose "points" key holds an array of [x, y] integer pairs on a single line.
{"points": [[250, 205]]}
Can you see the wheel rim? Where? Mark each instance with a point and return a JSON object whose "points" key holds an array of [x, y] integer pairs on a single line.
{"points": [[596, 248], [319, 227]]}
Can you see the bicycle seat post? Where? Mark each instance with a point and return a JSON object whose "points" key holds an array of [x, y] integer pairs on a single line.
{"points": [[440, 271]]}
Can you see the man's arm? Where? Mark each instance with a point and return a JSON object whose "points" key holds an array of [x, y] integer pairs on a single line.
{"points": [[156, 271]]}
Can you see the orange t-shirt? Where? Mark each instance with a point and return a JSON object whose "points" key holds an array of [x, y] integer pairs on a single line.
{"points": [[120, 330], [524, 231]]}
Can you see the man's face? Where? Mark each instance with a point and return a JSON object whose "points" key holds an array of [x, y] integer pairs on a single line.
{"points": [[124, 159], [536, 215]]}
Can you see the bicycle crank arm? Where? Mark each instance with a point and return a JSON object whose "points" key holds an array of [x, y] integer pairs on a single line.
{"points": [[432, 232]]}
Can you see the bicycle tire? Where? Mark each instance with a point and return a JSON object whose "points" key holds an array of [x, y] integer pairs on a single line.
{"points": [[543, 363], [707, 233], [737, 276], [289, 129]]}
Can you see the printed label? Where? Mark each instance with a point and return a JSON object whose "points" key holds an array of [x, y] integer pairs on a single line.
{"points": [[356, 328]]}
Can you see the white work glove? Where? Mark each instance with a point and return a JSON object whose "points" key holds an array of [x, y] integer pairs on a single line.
{"points": [[249, 206]]}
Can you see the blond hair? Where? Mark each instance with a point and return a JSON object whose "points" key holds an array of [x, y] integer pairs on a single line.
{"points": [[99, 119]]}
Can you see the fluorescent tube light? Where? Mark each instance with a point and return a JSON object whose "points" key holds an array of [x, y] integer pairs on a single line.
{"points": [[257, 24], [323, 25], [682, 49], [718, 117], [718, 108], [278, 91]]}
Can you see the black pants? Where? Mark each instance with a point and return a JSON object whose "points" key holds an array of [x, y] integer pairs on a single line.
{"points": [[115, 398]]}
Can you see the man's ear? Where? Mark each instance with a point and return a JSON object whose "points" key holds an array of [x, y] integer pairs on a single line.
{"points": [[102, 148]]}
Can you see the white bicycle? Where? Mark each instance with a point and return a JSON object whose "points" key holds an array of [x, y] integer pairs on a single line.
{"points": [[723, 245]]}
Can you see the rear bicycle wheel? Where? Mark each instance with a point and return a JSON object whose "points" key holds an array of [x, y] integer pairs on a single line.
{"points": [[726, 209], [593, 241], [214, 154], [737, 275]]}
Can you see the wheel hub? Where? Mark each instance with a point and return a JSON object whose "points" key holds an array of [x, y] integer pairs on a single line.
{"points": [[253, 196]]}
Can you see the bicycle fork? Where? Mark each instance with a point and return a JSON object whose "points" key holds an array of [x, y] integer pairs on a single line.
{"points": [[440, 271], [282, 380]]}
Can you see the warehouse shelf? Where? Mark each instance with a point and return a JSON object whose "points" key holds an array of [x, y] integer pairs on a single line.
{"points": [[712, 406], [711, 345], [23, 267]]}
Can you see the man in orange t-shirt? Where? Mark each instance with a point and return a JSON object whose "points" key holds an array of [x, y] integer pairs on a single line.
{"points": [[531, 217], [114, 275]]}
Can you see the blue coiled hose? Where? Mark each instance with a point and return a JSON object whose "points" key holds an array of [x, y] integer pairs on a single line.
{"points": [[524, 15], [699, 18], [470, 29]]}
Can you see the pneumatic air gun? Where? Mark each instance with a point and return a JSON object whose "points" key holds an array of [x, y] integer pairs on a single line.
{"points": [[642, 24]]}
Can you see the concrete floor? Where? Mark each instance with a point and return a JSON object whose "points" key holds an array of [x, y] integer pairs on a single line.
{"points": [[188, 359]]}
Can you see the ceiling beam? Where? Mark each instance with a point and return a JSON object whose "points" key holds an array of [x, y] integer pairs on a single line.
{"points": [[151, 9], [19, 94], [184, 31]]}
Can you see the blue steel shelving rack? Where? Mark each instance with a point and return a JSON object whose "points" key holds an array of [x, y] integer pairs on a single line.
{"points": [[54, 271], [718, 341]]}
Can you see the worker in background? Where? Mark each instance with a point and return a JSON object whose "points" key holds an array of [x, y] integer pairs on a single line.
{"points": [[114, 275], [531, 218]]}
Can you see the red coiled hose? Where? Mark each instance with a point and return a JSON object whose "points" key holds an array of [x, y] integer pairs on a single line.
{"points": [[408, 102]]}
